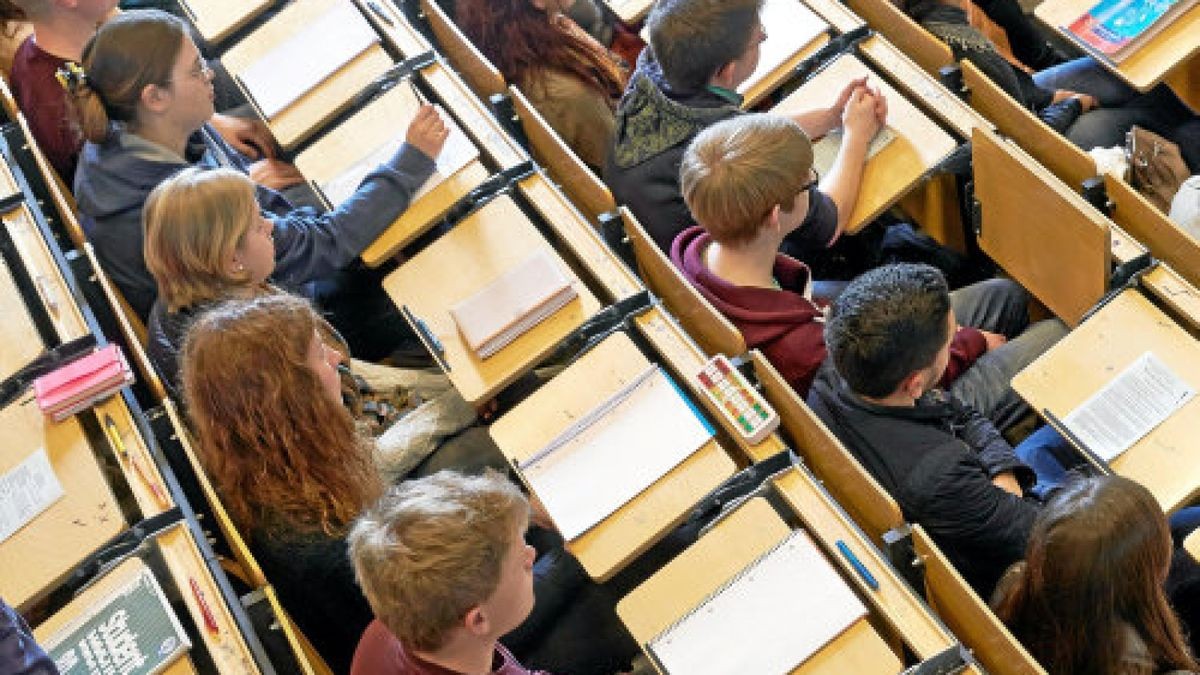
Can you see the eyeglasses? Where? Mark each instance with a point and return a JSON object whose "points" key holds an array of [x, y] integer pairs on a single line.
{"points": [[201, 70], [810, 185]]}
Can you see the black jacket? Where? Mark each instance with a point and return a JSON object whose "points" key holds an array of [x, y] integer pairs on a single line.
{"points": [[937, 460], [654, 127]]}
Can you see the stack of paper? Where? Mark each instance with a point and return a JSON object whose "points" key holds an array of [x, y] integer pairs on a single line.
{"points": [[308, 58], [767, 620], [513, 303], [825, 151], [615, 452], [27, 490], [83, 382]]}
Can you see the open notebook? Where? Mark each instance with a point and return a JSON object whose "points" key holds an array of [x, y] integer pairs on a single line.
{"points": [[513, 303], [825, 151], [790, 26], [615, 451], [296, 66], [767, 620], [339, 161]]}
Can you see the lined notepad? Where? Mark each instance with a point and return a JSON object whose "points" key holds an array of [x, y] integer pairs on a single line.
{"points": [[308, 58], [616, 451], [393, 111], [513, 303], [825, 151], [1127, 408], [770, 618], [790, 25]]}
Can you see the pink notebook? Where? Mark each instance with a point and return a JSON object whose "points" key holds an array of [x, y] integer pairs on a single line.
{"points": [[516, 301], [80, 383]]}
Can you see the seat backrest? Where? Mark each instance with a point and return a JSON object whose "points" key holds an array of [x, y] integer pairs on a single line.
{"points": [[476, 69], [967, 616], [864, 499], [714, 333], [1153, 229], [919, 44], [580, 183], [1052, 149], [1042, 233]]}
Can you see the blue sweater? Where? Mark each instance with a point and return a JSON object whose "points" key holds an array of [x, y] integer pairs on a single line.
{"points": [[115, 177]]}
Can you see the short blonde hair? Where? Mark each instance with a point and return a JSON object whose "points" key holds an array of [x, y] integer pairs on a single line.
{"points": [[734, 172], [194, 221], [431, 549]]}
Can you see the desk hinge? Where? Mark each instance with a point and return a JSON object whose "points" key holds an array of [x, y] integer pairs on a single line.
{"points": [[806, 69], [617, 316], [123, 545], [953, 659], [749, 483], [1125, 276], [898, 547], [498, 184], [1096, 194], [951, 78]]}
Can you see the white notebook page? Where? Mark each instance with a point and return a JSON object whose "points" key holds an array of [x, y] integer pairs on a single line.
{"points": [[27, 490], [1127, 408], [309, 57], [604, 464], [768, 620], [825, 151], [790, 25]]}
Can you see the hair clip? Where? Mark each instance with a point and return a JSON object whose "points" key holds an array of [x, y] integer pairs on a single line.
{"points": [[71, 76]]}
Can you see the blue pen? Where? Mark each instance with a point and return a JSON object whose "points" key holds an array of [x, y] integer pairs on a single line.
{"points": [[858, 566]]}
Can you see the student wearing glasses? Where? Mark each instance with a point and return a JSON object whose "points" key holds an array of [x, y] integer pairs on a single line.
{"points": [[143, 98], [749, 182]]}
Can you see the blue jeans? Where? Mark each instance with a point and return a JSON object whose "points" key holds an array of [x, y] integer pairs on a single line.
{"points": [[1122, 107]]}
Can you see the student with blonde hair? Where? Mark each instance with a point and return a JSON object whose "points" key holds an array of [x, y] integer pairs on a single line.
{"points": [[749, 183], [444, 563], [143, 96], [206, 243]]}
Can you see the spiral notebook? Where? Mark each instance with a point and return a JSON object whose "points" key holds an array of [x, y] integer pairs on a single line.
{"points": [[767, 620], [515, 302], [615, 451]]}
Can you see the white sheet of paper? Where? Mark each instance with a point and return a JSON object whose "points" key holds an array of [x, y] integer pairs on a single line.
{"points": [[308, 58], [790, 25], [1127, 408], [825, 151], [771, 618], [27, 490], [620, 454], [457, 152]]}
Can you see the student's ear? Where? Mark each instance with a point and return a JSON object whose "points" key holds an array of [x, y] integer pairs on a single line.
{"points": [[476, 621], [914, 385], [233, 265], [724, 75], [155, 98], [772, 219]]}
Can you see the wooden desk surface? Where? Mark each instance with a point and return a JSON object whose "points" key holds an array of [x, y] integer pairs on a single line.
{"points": [[899, 608], [372, 126], [464, 260], [86, 516], [688, 579], [919, 145], [1095, 352], [328, 98], [779, 53], [474, 116], [1175, 46], [215, 20], [606, 548], [921, 87], [578, 234]]}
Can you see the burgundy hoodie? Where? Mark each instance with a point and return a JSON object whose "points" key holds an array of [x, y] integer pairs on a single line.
{"points": [[783, 324]]}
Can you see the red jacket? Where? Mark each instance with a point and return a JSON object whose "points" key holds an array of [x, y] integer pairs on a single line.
{"points": [[783, 324]]}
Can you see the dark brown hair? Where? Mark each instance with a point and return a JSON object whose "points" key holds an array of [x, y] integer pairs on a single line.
{"points": [[522, 40], [281, 453], [129, 52], [1095, 566], [693, 39]]}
